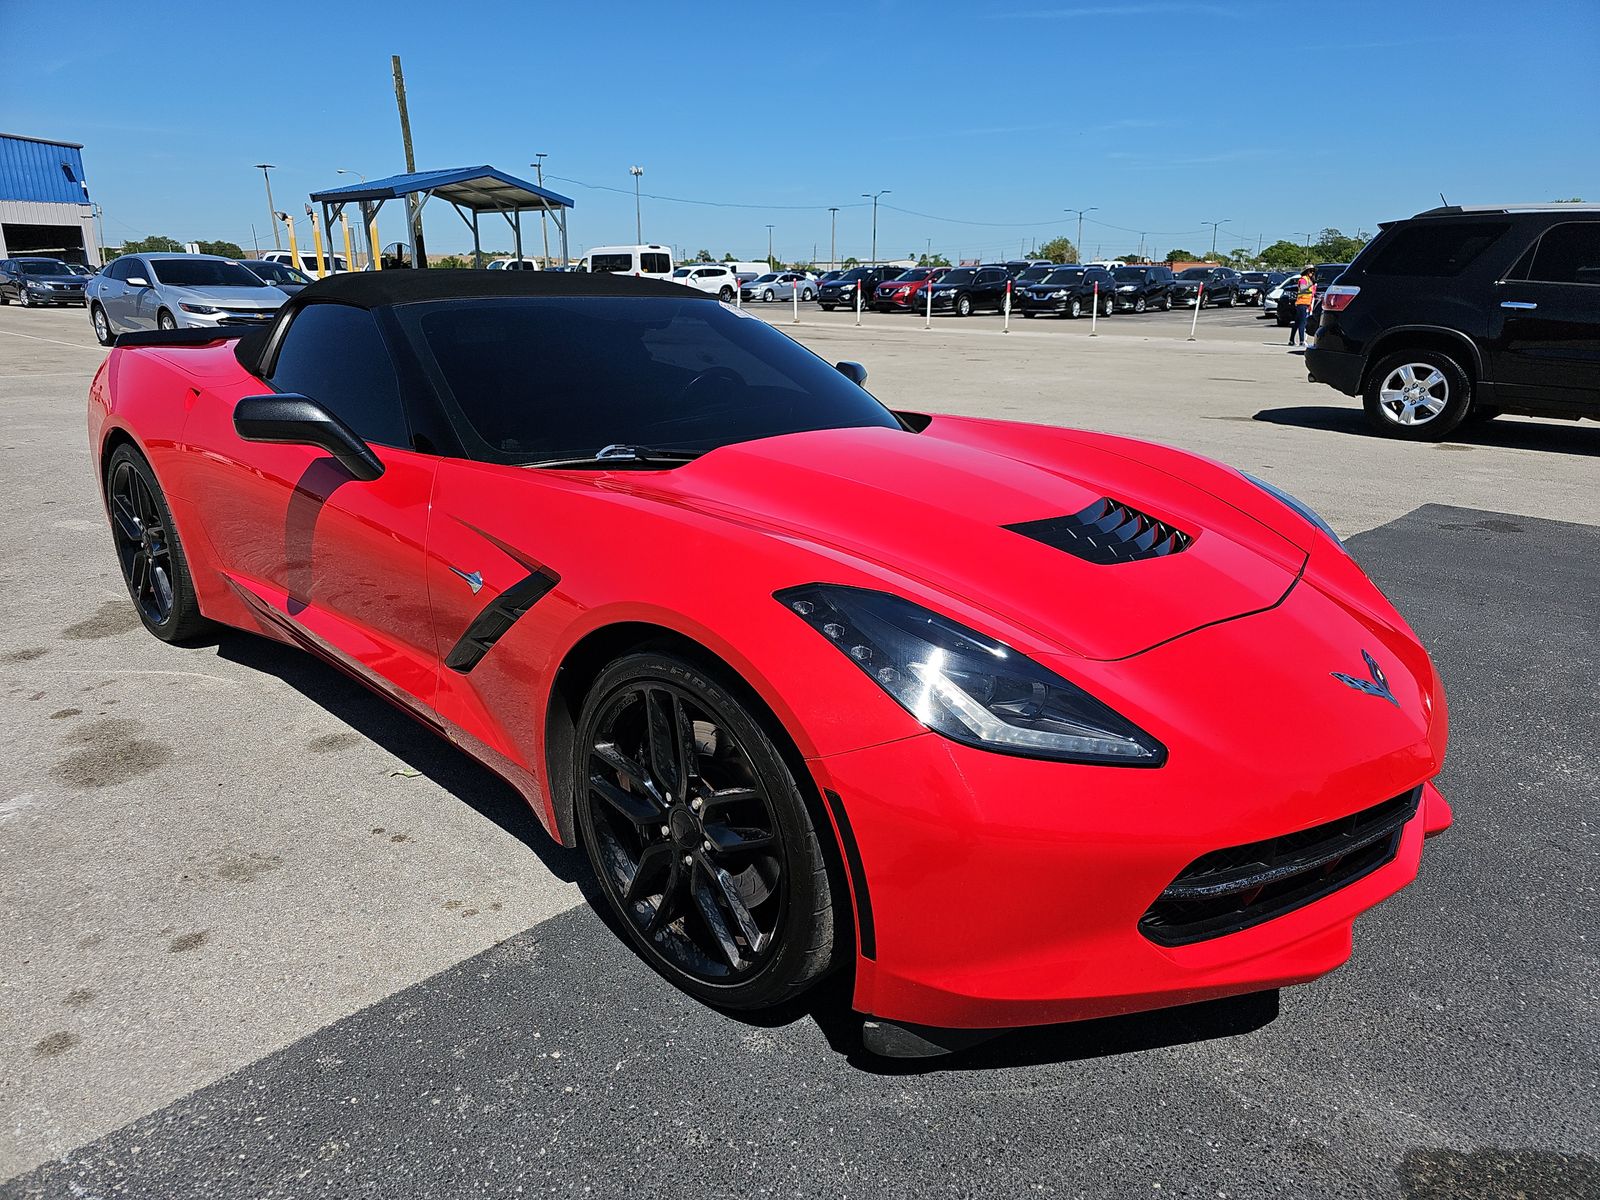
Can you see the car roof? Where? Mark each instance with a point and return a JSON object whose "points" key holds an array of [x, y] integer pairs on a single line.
{"points": [[378, 289], [1453, 210], [174, 254]]}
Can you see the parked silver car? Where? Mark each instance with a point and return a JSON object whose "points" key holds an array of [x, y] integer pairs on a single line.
{"points": [[779, 285], [177, 291]]}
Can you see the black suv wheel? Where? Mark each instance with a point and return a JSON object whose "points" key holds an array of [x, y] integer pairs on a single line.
{"points": [[1421, 395]]}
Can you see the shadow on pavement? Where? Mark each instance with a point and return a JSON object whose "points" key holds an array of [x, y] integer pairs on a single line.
{"points": [[404, 737], [1508, 433]]}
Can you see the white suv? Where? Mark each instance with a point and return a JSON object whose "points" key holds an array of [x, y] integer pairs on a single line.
{"points": [[717, 278]]}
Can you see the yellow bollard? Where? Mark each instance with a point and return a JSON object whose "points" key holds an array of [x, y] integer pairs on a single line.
{"points": [[294, 247], [349, 256], [316, 236], [377, 246]]}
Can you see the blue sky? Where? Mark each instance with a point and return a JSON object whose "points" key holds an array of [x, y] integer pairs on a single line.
{"points": [[985, 118]]}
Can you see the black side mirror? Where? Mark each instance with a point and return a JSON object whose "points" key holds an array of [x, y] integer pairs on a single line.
{"points": [[291, 419], [854, 372]]}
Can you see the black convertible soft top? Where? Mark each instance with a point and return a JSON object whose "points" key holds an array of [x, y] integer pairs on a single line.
{"points": [[383, 289], [377, 289]]}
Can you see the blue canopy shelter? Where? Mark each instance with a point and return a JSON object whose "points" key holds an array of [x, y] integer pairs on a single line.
{"points": [[471, 191]]}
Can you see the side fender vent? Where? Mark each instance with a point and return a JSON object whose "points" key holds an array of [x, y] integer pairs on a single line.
{"points": [[1107, 532]]}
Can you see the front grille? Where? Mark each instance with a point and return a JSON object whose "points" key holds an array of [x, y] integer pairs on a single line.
{"points": [[1107, 532], [1229, 890]]}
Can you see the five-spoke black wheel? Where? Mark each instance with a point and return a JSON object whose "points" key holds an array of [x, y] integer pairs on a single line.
{"points": [[699, 836], [148, 550]]}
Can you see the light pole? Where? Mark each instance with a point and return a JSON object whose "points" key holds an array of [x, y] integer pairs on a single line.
{"points": [[769, 245], [357, 174], [1214, 225], [1077, 246], [833, 241], [544, 229], [873, 196], [638, 220], [272, 209]]}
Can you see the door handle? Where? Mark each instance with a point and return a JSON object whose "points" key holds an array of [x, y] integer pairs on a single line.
{"points": [[1523, 305]]}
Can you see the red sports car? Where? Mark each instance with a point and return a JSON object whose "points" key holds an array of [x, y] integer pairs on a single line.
{"points": [[1017, 724]]}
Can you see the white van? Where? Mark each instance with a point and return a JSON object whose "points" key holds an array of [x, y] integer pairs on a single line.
{"points": [[746, 271], [650, 262], [334, 263]]}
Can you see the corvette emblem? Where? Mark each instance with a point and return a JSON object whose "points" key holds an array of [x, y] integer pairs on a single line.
{"points": [[475, 582], [1377, 685]]}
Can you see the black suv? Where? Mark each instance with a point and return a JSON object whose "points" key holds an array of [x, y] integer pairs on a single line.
{"points": [[1139, 288], [841, 292], [1468, 312], [1071, 292], [1221, 284], [967, 289]]}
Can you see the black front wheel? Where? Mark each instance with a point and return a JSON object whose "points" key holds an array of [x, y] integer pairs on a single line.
{"points": [[698, 834], [148, 550], [165, 321], [963, 305]]}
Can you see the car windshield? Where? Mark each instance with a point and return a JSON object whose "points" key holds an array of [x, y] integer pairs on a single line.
{"points": [[1128, 275], [202, 272], [1033, 273], [914, 275], [1195, 273], [79, 269], [682, 272], [856, 273], [1255, 277], [44, 268], [274, 272], [533, 379], [771, 278], [1069, 275], [960, 275]]}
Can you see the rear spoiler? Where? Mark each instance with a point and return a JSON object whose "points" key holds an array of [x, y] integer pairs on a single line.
{"points": [[179, 337]]}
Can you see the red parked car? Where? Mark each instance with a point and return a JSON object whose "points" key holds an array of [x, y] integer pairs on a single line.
{"points": [[904, 292], [1015, 724]]}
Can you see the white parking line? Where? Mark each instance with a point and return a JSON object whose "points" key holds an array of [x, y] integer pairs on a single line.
{"points": [[53, 341]]}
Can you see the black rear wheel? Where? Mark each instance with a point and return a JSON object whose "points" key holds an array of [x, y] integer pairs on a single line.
{"points": [[699, 837], [102, 325], [149, 552]]}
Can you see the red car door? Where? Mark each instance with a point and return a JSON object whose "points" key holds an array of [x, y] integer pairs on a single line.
{"points": [[331, 560]]}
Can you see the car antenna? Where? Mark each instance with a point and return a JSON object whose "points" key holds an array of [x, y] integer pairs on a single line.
{"points": [[1443, 201]]}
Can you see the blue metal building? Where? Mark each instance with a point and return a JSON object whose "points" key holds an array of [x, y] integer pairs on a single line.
{"points": [[44, 201]]}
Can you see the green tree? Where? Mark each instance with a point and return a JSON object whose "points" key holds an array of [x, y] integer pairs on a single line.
{"points": [[225, 249], [1333, 246], [730, 257], [453, 262], [932, 260], [1059, 250], [1285, 256], [1180, 256], [852, 261], [154, 244], [704, 256]]}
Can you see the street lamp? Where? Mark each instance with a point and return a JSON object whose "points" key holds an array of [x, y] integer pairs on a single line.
{"points": [[833, 240], [272, 209], [544, 229], [638, 221], [1077, 246], [357, 174], [873, 196], [1214, 225], [769, 245]]}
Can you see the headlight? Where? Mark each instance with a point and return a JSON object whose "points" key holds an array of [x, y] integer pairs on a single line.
{"points": [[1128, 287], [204, 310], [1058, 295], [847, 287], [1299, 506], [967, 686]]}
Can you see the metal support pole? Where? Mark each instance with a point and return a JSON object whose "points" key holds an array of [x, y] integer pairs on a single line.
{"points": [[349, 254], [294, 248], [316, 237], [477, 246], [927, 322], [1005, 324], [794, 294], [1094, 313], [516, 237], [833, 242], [1199, 303], [858, 303], [272, 209], [544, 208], [419, 250]]}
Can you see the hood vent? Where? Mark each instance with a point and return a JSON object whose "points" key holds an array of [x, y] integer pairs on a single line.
{"points": [[1107, 532]]}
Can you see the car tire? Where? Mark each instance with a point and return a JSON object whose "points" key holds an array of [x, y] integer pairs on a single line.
{"points": [[1108, 305], [766, 296], [807, 294], [963, 305], [149, 550], [748, 927], [1419, 395], [166, 321], [1166, 304], [1028, 314], [1074, 308], [103, 333], [827, 308], [5, 300], [726, 295], [24, 299], [1138, 304], [1228, 303]]}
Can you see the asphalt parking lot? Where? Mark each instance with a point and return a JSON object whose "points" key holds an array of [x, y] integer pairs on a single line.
{"points": [[265, 937]]}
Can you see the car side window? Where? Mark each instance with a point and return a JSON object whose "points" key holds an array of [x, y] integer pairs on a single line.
{"points": [[994, 275], [1568, 253], [335, 354]]}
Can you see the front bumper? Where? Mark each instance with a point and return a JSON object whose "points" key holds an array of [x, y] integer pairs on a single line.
{"points": [[55, 296], [895, 300], [1184, 299], [1005, 891]]}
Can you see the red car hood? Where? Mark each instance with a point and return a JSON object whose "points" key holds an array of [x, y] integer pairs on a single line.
{"points": [[934, 507]]}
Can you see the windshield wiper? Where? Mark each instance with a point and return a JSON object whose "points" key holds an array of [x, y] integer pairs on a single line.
{"points": [[621, 453]]}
